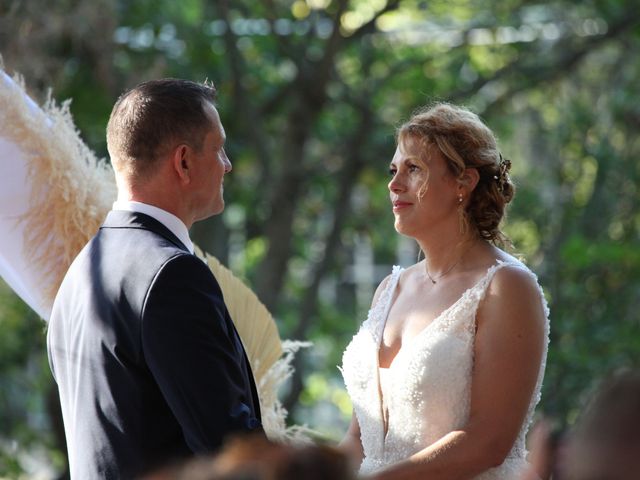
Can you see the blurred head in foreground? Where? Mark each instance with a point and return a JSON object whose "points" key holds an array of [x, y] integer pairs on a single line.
{"points": [[254, 458], [605, 444]]}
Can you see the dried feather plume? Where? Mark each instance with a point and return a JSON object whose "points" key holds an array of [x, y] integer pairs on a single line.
{"points": [[71, 190], [261, 340], [71, 193]]}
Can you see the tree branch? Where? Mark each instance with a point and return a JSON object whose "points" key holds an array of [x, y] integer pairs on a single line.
{"points": [[370, 26], [535, 73], [348, 176], [342, 209], [285, 47], [311, 88], [250, 114]]}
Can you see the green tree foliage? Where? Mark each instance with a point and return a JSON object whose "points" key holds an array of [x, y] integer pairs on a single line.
{"points": [[26, 391], [310, 92]]}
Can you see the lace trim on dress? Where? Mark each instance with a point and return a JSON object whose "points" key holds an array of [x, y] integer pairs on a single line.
{"points": [[378, 312]]}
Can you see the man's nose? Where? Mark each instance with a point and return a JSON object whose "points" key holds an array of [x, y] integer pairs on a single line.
{"points": [[227, 164]]}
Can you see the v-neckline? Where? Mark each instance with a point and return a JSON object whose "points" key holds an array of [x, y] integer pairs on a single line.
{"points": [[406, 345], [410, 343]]}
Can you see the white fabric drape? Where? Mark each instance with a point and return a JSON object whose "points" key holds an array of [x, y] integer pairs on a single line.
{"points": [[15, 197]]}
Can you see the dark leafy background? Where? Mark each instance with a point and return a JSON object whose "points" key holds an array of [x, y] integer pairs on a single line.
{"points": [[310, 93]]}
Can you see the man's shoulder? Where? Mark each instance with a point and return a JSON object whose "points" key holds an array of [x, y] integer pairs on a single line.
{"points": [[185, 268], [126, 259]]}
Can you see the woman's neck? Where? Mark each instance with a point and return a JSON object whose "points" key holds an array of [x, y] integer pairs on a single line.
{"points": [[444, 253]]}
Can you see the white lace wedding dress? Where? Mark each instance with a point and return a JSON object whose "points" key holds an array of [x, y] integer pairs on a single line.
{"points": [[428, 384]]}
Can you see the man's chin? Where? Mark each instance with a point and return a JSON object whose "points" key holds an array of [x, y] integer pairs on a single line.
{"points": [[217, 210], [211, 213]]}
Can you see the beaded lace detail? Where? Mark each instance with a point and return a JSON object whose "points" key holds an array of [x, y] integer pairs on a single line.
{"points": [[429, 381]]}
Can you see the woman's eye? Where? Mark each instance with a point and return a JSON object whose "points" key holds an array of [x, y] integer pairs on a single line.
{"points": [[413, 168], [392, 171]]}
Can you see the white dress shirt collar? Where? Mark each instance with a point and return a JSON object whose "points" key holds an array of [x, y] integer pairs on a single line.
{"points": [[169, 220]]}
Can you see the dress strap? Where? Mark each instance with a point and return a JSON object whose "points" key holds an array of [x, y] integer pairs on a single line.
{"points": [[378, 314], [522, 266], [480, 289], [471, 299], [483, 284]]}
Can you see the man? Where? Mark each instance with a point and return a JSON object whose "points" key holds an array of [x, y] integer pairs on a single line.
{"points": [[147, 360]]}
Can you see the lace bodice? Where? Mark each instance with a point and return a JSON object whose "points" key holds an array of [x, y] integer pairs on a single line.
{"points": [[428, 383]]}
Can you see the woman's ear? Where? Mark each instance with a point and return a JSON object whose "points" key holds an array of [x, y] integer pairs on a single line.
{"points": [[469, 179]]}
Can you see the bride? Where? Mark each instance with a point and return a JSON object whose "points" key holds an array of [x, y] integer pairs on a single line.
{"points": [[446, 371]]}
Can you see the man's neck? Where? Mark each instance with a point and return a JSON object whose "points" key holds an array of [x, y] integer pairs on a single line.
{"points": [[168, 219], [166, 202]]}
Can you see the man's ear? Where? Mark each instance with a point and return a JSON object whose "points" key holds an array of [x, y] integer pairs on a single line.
{"points": [[181, 161]]}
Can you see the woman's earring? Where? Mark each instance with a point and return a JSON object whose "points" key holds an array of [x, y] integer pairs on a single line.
{"points": [[462, 216]]}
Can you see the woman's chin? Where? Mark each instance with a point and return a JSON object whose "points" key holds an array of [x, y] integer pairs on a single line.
{"points": [[403, 229]]}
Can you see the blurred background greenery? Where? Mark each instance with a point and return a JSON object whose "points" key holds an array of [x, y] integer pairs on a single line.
{"points": [[310, 92]]}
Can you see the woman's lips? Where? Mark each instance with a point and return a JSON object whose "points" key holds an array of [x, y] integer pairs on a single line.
{"points": [[399, 205]]}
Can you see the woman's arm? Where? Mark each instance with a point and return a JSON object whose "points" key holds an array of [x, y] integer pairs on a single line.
{"points": [[508, 351]]}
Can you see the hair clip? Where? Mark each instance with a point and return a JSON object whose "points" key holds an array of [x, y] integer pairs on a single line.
{"points": [[504, 165]]}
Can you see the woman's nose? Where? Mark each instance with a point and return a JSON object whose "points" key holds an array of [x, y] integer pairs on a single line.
{"points": [[395, 185]]}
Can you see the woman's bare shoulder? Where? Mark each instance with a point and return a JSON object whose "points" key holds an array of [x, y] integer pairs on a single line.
{"points": [[514, 292], [515, 278], [513, 286]]}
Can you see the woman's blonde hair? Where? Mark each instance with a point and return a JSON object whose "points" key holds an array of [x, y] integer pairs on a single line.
{"points": [[466, 142]]}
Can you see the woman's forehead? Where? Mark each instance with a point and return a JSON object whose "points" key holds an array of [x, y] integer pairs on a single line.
{"points": [[418, 148]]}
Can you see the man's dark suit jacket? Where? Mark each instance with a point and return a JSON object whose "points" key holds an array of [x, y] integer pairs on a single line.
{"points": [[148, 363]]}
